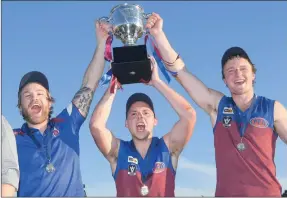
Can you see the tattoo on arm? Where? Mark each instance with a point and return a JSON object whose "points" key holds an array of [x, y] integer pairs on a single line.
{"points": [[83, 99]]}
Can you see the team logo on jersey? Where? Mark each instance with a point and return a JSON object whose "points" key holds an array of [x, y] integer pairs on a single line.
{"points": [[159, 167], [226, 121], [228, 110], [55, 132], [132, 159], [259, 122], [132, 169]]}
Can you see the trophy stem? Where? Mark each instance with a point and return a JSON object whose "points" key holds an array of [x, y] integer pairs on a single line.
{"points": [[130, 42]]}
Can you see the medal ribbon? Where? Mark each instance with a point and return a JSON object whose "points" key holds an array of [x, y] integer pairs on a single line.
{"points": [[243, 125], [108, 49], [106, 78], [144, 174], [109, 77], [158, 58], [48, 145]]}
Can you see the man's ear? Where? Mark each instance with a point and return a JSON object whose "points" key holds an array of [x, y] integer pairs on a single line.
{"points": [[155, 122], [225, 82], [20, 110]]}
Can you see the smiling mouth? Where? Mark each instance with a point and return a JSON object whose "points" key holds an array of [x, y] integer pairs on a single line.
{"points": [[239, 82], [36, 108]]}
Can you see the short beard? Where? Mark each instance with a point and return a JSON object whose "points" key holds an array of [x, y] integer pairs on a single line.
{"points": [[43, 118]]}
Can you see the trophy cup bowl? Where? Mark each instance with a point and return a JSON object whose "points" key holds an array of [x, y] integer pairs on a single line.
{"points": [[130, 62]]}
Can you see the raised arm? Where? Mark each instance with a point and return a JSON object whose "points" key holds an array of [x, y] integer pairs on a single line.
{"points": [[182, 130], [280, 121], [103, 137], [203, 96], [83, 98]]}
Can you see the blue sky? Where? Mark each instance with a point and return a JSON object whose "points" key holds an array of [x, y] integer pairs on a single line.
{"points": [[58, 39]]}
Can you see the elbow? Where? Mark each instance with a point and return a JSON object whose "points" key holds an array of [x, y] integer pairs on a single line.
{"points": [[190, 115], [95, 123], [95, 126], [92, 125]]}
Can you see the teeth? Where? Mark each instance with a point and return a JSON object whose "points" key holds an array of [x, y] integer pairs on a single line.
{"points": [[140, 124]]}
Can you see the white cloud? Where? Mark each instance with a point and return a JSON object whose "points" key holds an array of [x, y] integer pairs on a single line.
{"points": [[203, 187], [208, 169], [108, 189], [182, 191], [101, 189]]}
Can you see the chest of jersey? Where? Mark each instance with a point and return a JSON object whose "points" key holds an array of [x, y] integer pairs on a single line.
{"points": [[253, 163], [152, 175]]}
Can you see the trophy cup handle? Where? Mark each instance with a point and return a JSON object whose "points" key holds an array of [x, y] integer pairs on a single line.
{"points": [[146, 16], [104, 19], [107, 21]]}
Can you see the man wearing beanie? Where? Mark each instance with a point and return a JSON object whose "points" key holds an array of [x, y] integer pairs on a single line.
{"points": [[245, 126], [48, 149], [146, 165]]}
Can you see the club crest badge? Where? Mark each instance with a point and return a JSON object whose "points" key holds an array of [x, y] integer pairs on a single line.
{"points": [[132, 169], [159, 167], [226, 121]]}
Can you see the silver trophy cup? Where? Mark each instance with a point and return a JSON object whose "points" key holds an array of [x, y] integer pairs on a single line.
{"points": [[130, 63], [127, 22]]}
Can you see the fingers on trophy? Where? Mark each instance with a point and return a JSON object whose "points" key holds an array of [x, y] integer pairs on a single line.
{"points": [[153, 18]]}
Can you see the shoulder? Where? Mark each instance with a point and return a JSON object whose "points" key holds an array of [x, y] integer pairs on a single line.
{"points": [[161, 143], [71, 114], [19, 135], [263, 99], [265, 104], [124, 144], [70, 110], [225, 104], [18, 131]]}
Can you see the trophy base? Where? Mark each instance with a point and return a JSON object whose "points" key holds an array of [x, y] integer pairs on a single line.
{"points": [[132, 72], [131, 64]]}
